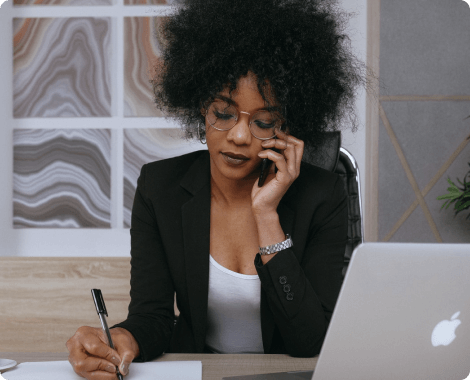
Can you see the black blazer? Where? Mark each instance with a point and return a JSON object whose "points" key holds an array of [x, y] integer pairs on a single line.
{"points": [[170, 253]]}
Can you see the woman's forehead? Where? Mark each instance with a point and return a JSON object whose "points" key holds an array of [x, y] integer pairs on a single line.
{"points": [[247, 88]]}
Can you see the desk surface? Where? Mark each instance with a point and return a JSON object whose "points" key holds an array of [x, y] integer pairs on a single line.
{"points": [[214, 367]]}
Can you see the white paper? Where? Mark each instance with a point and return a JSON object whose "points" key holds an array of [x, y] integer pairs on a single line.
{"points": [[62, 370]]}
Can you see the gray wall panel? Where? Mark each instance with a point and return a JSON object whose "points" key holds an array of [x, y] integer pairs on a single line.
{"points": [[428, 133], [415, 230], [424, 46], [395, 192], [425, 72]]}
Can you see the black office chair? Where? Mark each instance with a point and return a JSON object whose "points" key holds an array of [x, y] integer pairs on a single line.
{"points": [[334, 158]]}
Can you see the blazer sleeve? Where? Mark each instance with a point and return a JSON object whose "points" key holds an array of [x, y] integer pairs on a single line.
{"points": [[151, 310], [302, 295]]}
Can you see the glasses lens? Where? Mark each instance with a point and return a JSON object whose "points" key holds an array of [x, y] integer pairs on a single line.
{"points": [[221, 115], [263, 124]]}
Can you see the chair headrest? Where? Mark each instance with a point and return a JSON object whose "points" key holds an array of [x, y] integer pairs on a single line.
{"points": [[327, 156]]}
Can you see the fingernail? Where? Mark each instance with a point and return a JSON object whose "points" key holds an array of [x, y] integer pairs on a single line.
{"points": [[264, 143], [124, 369], [111, 368]]}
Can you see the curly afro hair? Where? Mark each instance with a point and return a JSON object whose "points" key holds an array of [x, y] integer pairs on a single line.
{"points": [[297, 46]]}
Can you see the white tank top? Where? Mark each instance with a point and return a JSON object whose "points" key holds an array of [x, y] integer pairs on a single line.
{"points": [[233, 311]]}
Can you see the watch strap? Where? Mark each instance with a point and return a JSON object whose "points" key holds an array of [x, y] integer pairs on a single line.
{"points": [[270, 249]]}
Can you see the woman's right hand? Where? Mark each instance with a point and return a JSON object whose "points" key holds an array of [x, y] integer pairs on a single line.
{"points": [[93, 359]]}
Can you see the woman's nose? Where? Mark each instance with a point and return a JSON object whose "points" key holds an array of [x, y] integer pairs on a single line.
{"points": [[240, 133]]}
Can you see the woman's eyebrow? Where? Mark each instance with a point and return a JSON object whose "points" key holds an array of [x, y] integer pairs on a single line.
{"points": [[228, 100], [234, 103]]}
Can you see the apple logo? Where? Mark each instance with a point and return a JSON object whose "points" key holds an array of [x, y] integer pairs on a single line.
{"points": [[444, 332]]}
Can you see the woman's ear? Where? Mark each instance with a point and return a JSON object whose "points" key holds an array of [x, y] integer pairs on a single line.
{"points": [[204, 107]]}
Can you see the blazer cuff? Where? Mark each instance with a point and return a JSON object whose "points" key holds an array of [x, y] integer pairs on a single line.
{"points": [[283, 279]]}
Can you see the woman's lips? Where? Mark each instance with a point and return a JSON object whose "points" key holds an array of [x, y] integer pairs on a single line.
{"points": [[234, 159]]}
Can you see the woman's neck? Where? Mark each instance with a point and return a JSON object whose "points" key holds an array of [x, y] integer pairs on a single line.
{"points": [[231, 192]]}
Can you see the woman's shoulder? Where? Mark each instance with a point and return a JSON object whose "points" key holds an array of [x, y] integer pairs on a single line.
{"points": [[175, 168], [315, 175], [318, 182], [176, 164]]}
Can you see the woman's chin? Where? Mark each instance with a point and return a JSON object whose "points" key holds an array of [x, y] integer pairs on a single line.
{"points": [[236, 171], [240, 174]]}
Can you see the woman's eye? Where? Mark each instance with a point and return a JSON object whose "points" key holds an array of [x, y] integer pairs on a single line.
{"points": [[223, 116], [264, 124]]}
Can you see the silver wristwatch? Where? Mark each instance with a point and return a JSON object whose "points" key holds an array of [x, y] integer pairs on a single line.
{"points": [[270, 249]]}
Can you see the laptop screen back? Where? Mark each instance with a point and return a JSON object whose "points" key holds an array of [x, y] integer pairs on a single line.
{"points": [[397, 313]]}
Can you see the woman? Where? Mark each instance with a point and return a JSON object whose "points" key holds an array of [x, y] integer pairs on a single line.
{"points": [[256, 80]]}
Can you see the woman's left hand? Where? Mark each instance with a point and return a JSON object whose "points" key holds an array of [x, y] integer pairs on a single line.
{"points": [[265, 199]]}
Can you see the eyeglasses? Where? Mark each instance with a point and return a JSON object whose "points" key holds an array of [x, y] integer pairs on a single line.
{"points": [[223, 116]]}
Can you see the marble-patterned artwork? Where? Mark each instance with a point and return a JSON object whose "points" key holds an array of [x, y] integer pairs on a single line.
{"points": [[61, 67], [61, 178], [141, 56], [146, 145], [63, 2], [152, 2]]}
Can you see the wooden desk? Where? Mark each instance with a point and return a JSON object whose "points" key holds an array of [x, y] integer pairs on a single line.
{"points": [[44, 300], [214, 367]]}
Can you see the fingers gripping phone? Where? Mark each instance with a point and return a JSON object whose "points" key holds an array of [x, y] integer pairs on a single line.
{"points": [[265, 164]]}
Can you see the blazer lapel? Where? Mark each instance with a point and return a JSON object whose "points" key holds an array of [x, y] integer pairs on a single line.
{"points": [[196, 241]]}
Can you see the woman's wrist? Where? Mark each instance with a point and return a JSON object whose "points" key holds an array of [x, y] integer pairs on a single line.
{"points": [[269, 232], [133, 342], [265, 216], [269, 229]]}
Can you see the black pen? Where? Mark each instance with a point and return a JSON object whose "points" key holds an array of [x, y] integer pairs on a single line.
{"points": [[101, 309]]}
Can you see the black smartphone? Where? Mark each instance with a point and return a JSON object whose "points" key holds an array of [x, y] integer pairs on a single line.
{"points": [[265, 165]]}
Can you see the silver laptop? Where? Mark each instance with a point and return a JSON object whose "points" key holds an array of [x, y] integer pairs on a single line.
{"points": [[403, 313]]}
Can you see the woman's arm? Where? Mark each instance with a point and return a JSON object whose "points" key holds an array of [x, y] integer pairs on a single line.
{"points": [[151, 310], [302, 295], [302, 288]]}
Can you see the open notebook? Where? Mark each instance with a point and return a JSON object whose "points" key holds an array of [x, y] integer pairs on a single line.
{"points": [[62, 370]]}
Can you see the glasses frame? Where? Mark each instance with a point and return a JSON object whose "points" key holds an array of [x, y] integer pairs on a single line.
{"points": [[238, 118]]}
